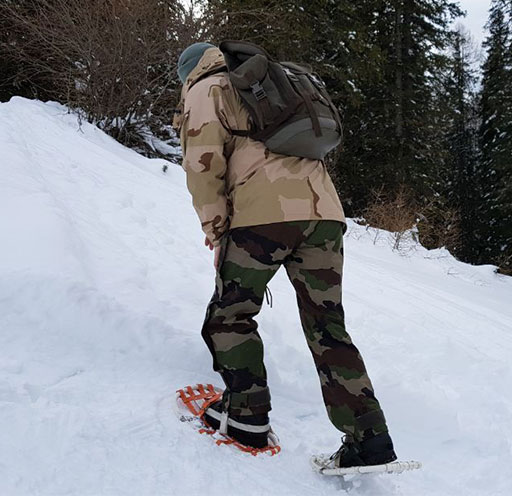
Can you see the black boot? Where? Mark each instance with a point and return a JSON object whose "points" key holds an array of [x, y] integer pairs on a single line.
{"points": [[374, 450], [249, 430]]}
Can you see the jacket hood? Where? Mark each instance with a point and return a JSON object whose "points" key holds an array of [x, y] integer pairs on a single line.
{"points": [[211, 61]]}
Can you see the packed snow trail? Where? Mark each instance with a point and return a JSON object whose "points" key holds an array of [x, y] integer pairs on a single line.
{"points": [[104, 281]]}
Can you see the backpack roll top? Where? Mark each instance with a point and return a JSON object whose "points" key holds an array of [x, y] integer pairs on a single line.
{"points": [[290, 109], [263, 87]]}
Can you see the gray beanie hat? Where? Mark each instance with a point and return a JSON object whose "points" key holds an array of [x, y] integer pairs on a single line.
{"points": [[190, 57]]}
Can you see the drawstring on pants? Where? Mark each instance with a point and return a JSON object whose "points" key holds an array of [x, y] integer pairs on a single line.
{"points": [[268, 296]]}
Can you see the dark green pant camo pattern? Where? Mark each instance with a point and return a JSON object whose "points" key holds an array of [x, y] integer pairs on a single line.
{"points": [[312, 253]]}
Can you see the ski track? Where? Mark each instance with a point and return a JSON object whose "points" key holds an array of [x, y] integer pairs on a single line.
{"points": [[104, 281]]}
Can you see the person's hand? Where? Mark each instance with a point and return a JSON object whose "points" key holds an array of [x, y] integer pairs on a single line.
{"points": [[216, 257], [208, 243], [216, 253]]}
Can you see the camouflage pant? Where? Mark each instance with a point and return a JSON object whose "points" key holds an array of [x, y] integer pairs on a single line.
{"points": [[312, 253]]}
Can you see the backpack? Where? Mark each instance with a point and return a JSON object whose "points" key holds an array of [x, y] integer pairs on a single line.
{"points": [[290, 109]]}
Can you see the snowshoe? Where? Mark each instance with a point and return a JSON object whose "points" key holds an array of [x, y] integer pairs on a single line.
{"points": [[201, 405], [372, 455]]}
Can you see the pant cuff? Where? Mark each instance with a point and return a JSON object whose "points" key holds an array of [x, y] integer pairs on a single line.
{"points": [[248, 403], [371, 423]]}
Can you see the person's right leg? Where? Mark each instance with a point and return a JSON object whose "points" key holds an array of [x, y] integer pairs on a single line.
{"points": [[315, 270]]}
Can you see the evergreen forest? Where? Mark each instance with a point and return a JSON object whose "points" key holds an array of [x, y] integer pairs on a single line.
{"points": [[427, 113]]}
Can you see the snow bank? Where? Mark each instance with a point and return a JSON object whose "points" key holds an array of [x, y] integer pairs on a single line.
{"points": [[104, 281]]}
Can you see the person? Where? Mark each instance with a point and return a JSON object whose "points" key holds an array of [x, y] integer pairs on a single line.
{"points": [[260, 211]]}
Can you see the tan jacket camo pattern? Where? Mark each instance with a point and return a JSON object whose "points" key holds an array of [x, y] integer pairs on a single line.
{"points": [[236, 181]]}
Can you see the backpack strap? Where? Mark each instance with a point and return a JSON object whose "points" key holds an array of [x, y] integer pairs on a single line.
{"points": [[311, 109], [323, 93], [261, 96], [240, 132]]}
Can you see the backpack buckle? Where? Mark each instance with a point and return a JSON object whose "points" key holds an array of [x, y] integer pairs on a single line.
{"points": [[258, 91]]}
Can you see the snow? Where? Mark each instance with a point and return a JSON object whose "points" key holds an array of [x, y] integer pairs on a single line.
{"points": [[104, 280]]}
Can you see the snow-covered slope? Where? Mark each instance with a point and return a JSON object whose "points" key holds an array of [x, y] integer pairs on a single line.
{"points": [[104, 281]]}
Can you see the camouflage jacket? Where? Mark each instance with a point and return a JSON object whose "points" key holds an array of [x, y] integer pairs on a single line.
{"points": [[236, 181]]}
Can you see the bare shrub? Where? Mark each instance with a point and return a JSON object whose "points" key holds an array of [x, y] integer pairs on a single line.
{"points": [[504, 263], [10, 84], [395, 213], [432, 223], [439, 226], [113, 59]]}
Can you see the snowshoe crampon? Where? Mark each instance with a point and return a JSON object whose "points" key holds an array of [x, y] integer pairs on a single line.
{"points": [[192, 402], [324, 464]]}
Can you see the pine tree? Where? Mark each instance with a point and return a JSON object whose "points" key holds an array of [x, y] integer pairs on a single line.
{"points": [[460, 188], [392, 134], [496, 139]]}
